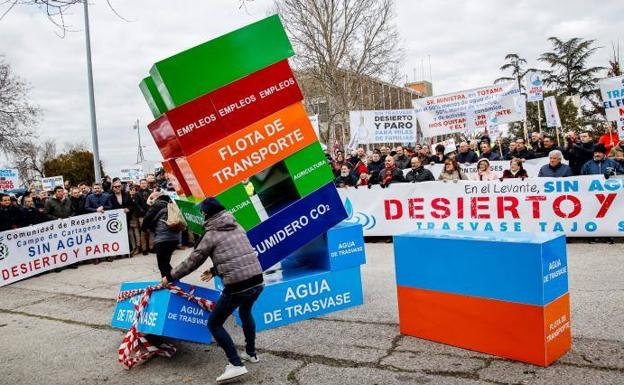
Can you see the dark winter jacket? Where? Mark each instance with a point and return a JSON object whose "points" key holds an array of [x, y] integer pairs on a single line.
{"points": [[55, 209], [156, 221], [420, 174], [561, 171], [30, 216], [402, 162], [77, 205], [490, 156], [397, 176], [345, 181], [234, 259], [436, 159], [136, 207], [578, 154], [125, 201], [544, 152], [605, 167], [522, 154], [94, 201], [9, 218], [142, 200], [375, 167], [468, 157]]}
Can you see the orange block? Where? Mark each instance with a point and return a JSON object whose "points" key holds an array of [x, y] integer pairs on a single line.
{"points": [[529, 333], [249, 151]]}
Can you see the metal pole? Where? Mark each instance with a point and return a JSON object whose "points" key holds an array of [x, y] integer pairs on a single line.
{"points": [[94, 136], [539, 117], [140, 157]]}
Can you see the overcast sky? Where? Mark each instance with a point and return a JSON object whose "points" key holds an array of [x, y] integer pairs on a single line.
{"points": [[466, 41]]}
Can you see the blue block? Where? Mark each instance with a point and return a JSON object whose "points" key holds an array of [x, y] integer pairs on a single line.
{"points": [[167, 314], [345, 245], [526, 268], [342, 247], [296, 225], [306, 295]]}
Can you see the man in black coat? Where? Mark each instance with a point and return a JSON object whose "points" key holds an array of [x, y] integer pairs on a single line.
{"points": [[548, 145], [30, 215], [9, 214], [418, 173], [77, 202], [465, 154], [579, 152], [521, 151]]}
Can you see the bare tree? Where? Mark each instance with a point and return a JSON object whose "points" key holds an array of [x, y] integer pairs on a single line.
{"points": [[615, 68], [338, 45], [56, 10], [17, 114], [31, 156]]}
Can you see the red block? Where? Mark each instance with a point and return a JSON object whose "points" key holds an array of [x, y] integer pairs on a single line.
{"points": [[212, 117], [529, 333]]}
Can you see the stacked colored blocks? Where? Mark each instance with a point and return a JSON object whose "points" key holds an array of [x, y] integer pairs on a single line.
{"points": [[167, 314], [504, 294], [320, 278], [230, 124]]}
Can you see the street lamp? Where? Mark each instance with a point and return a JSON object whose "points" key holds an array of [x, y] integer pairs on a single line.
{"points": [[94, 136]]}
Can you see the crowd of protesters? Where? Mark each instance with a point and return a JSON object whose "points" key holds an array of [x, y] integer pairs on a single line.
{"points": [[384, 166], [136, 199]]}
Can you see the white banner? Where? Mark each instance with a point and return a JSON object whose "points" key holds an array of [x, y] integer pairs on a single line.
{"points": [[131, 174], [534, 86], [468, 111], [532, 167], [50, 183], [585, 206], [9, 179], [383, 126], [314, 120], [552, 112], [612, 91], [31, 250]]}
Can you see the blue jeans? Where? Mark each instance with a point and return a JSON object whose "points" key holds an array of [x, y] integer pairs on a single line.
{"points": [[225, 306]]}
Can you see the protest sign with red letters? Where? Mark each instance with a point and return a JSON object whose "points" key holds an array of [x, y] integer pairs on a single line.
{"points": [[32, 250], [584, 206]]}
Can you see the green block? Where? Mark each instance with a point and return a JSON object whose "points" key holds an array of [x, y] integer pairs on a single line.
{"points": [[236, 201], [213, 64], [308, 169], [192, 214], [152, 97]]}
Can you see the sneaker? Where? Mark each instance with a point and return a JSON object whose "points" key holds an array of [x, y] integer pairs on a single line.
{"points": [[231, 372], [246, 357]]}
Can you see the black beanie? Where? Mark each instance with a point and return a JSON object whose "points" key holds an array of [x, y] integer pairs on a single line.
{"points": [[210, 206], [600, 148]]}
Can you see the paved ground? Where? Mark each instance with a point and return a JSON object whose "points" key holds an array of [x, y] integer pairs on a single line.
{"points": [[54, 329]]}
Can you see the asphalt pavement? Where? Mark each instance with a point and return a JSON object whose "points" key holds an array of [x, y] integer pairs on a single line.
{"points": [[55, 329]]}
